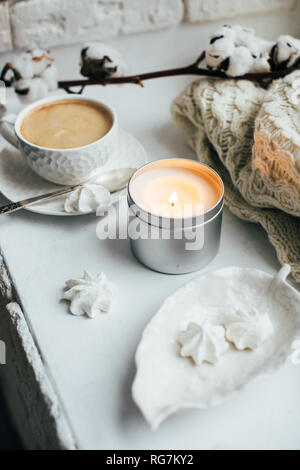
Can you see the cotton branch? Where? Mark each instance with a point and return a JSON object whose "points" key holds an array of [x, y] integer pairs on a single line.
{"points": [[192, 69], [233, 53]]}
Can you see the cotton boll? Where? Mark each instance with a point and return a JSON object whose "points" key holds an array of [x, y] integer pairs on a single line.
{"points": [[243, 35], [260, 51], [265, 46], [254, 48], [99, 61], [218, 52], [29, 64], [236, 50], [33, 74], [22, 86], [262, 56], [261, 65], [23, 64], [30, 90], [246, 37], [286, 47], [224, 32], [40, 61], [98, 50], [8, 76], [50, 76], [233, 43], [241, 62], [287, 51], [239, 35], [258, 47]]}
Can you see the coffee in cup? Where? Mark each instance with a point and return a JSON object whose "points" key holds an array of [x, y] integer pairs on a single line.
{"points": [[66, 140], [66, 124]]}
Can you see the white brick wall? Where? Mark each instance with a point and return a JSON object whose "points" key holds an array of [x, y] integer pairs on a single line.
{"points": [[141, 15], [208, 10], [53, 22], [5, 32]]}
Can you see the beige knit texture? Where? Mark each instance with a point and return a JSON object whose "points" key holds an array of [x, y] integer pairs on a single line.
{"points": [[218, 120]]}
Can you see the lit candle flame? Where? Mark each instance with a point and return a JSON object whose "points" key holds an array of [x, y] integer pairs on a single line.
{"points": [[173, 199]]}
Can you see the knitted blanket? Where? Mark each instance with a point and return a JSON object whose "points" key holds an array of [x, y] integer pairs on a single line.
{"points": [[232, 127]]}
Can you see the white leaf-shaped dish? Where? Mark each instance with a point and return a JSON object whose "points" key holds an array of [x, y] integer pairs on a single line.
{"points": [[166, 382]]}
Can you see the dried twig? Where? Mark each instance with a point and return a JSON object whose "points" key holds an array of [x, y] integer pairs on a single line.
{"points": [[193, 69], [264, 79]]}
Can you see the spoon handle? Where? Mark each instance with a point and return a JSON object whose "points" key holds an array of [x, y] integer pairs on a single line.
{"points": [[16, 206], [119, 178], [13, 207]]}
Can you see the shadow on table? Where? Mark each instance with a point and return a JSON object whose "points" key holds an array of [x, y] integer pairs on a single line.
{"points": [[9, 439]]}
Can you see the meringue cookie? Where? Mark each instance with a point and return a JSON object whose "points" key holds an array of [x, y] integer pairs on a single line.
{"points": [[248, 328], [86, 198], [90, 296], [203, 343]]}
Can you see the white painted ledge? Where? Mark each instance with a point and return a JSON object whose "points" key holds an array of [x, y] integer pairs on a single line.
{"points": [[32, 399]]}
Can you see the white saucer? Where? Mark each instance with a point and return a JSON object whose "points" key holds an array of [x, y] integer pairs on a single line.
{"points": [[18, 181]]}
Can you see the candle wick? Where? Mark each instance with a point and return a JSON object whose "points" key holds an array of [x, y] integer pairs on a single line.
{"points": [[173, 199]]}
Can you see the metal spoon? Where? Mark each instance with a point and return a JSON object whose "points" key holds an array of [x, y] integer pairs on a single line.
{"points": [[114, 181]]}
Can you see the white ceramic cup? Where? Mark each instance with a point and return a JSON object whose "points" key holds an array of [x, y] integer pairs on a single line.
{"points": [[61, 166]]}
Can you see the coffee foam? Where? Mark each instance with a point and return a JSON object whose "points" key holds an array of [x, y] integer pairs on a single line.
{"points": [[66, 124]]}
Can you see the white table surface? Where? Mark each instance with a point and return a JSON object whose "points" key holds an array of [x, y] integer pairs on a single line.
{"points": [[92, 361]]}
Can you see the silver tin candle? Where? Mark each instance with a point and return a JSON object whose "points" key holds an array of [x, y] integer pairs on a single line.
{"points": [[175, 215]]}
